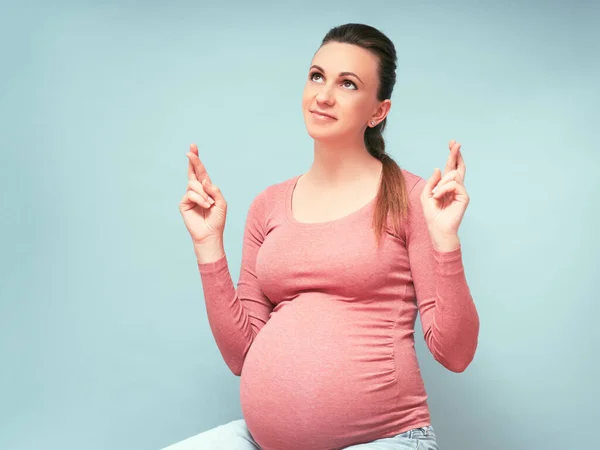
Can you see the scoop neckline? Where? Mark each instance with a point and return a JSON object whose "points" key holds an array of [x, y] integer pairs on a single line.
{"points": [[344, 219]]}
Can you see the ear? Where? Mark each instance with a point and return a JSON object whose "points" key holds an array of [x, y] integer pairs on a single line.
{"points": [[382, 111]]}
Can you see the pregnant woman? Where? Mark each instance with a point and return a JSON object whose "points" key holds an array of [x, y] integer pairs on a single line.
{"points": [[336, 264]]}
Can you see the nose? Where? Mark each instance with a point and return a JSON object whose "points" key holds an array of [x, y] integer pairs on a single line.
{"points": [[325, 96]]}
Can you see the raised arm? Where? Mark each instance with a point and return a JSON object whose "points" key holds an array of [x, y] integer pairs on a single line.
{"points": [[235, 315], [448, 314]]}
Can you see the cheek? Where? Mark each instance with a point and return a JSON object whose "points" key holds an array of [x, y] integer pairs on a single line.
{"points": [[354, 110], [306, 98]]}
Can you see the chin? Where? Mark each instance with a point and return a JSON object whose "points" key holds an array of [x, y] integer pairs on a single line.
{"points": [[321, 133]]}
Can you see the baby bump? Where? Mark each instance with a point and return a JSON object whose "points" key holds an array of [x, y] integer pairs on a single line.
{"points": [[308, 373]]}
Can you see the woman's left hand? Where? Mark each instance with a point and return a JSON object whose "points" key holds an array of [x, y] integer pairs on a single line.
{"points": [[445, 199]]}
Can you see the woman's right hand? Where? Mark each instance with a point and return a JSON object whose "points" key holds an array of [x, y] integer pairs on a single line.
{"points": [[203, 207]]}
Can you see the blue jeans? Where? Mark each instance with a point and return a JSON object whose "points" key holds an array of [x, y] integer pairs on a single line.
{"points": [[235, 436]]}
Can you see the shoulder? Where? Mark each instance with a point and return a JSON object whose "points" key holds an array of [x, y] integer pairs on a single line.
{"points": [[272, 196], [276, 191], [414, 183], [413, 187]]}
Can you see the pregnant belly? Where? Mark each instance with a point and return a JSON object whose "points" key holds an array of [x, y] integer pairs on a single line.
{"points": [[318, 376]]}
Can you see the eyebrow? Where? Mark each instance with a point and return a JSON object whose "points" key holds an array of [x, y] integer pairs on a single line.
{"points": [[342, 74]]}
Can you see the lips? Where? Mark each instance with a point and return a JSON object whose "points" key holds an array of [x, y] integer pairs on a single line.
{"points": [[321, 113]]}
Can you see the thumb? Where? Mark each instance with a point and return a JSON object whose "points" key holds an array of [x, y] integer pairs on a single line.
{"points": [[431, 183], [213, 191]]}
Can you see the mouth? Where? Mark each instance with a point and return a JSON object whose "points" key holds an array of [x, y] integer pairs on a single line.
{"points": [[322, 115]]}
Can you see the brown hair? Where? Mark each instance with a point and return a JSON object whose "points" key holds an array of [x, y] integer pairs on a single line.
{"points": [[392, 197]]}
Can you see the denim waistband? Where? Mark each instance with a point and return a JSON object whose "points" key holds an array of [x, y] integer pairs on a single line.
{"points": [[422, 432]]}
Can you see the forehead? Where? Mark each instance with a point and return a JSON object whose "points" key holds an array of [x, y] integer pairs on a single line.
{"points": [[335, 57]]}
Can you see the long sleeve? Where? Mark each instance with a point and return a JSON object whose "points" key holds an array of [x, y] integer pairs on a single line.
{"points": [[448, 314], [236, 315]]}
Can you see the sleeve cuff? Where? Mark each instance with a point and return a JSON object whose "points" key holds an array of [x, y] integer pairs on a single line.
{"points": [[449, 263], [213, 267]]}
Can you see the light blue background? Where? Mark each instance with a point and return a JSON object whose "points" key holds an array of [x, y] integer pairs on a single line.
{"points": [[104, 341]]}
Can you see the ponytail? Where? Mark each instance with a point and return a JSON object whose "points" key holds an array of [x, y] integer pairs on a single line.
{"points": [[392, 199]]}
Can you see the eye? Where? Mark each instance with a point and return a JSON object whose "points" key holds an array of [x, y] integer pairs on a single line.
{"points": [[312, 75], [352, 84]]}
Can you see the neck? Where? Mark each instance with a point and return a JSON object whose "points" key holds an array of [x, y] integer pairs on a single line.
{"points": [[338, 164]]}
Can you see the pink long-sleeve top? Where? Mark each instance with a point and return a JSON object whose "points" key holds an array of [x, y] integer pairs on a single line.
{"points": [[321, 324]]}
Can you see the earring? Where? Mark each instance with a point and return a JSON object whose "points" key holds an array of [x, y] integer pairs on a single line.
{"points": [[372, 123]]}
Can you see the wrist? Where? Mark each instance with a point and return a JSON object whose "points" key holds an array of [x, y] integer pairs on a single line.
{"points": [[445, 243], [209, 250]]}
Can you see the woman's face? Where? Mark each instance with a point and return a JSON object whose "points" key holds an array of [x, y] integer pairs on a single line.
{"points": [[342, 82]]}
